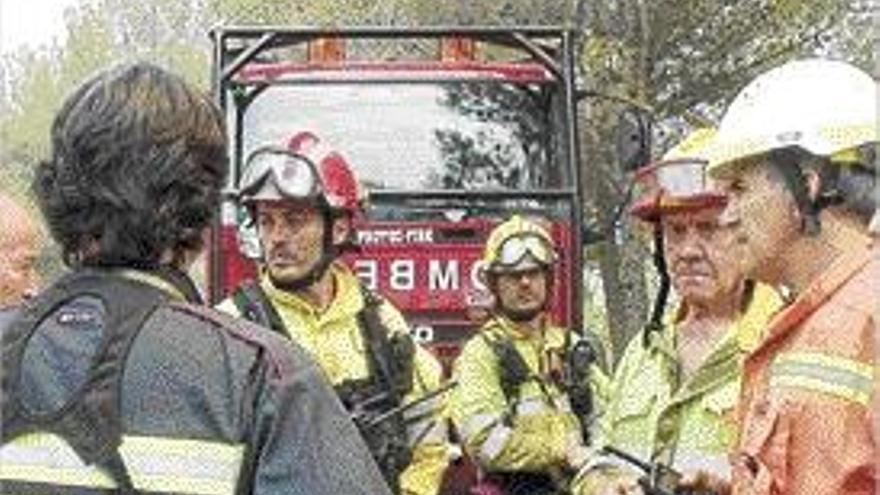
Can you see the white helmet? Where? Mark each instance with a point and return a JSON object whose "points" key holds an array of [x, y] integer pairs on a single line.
{"points": [[822, 106]]}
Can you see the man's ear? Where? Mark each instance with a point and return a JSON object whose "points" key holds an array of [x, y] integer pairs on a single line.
{"points": [[341, 229], [814, 184]]}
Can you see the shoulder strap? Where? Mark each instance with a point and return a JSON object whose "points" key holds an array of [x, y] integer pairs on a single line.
{"points": [[390, 354], [254, 305], [512, 367], [90, 419], [280, 362]]}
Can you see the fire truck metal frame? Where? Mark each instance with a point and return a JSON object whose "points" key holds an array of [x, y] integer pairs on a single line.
{"points": [[238, 49]]}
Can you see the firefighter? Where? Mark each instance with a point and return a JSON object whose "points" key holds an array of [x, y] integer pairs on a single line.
{"points": [[796, 151], [115, 379], [303, 198], [19, 250], [510, 407], [672, 396]]}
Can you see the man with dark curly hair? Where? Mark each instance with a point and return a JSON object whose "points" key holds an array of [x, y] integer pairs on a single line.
{"points": [[114, 377]]}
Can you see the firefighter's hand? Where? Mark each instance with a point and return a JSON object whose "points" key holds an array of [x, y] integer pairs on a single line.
{"points": [[576, 453], [703, 483]]}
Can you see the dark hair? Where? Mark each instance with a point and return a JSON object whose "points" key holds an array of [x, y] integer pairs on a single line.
{"points": [[138, 159], [853, 185]]}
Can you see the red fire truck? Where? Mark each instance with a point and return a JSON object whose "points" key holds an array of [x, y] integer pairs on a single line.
{"points": [[450, 129]]}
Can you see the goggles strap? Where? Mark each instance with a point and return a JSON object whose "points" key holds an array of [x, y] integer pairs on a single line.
{"points": [[655, 324]]}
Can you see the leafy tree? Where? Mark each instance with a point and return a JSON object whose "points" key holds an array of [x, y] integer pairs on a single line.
{"points": [[482, 158]]}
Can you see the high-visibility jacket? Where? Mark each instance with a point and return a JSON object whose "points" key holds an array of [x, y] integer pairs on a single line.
{"points": [[201, 403], [335, 340], [687, 424], [528, 432], [805, 404]]}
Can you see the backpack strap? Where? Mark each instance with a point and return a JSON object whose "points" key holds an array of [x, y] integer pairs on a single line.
{"points": [[513, 370], [90, 420], [391, 354], [254, 305]]}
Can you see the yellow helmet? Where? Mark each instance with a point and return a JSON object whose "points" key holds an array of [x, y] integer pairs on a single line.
{"points": [[825, 107], [679, 181], [518, 244]]}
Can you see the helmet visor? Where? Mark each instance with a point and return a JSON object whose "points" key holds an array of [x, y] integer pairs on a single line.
{"points": [[682, 178], [516, 249], [275, 173]]}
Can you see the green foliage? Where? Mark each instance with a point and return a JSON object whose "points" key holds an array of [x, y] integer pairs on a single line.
{"points": [[485, 158], [30, 106], [89, 46]]}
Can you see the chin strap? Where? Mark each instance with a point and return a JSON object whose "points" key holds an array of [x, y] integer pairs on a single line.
{"points": [[655, 324], [313, 275]]}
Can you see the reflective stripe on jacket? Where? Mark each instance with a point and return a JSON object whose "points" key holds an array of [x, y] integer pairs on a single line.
{"points": [[155, 464], [527, 436], [805, 406]]}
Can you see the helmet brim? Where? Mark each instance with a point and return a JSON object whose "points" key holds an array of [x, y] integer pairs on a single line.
{"points": [[527, 263], [653, 209]]}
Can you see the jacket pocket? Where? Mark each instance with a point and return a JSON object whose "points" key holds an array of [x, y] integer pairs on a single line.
{"points": [[765, 447]]}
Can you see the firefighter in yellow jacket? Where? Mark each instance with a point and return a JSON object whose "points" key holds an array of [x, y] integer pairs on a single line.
{"points": [[302, 198], [514, 417], [673, 394]]}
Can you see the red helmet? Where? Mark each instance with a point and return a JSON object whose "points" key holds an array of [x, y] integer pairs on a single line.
{"points": [[305, 169]]}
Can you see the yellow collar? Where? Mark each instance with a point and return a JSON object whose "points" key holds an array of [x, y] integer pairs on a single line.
{"points": [[747, 331], [347, 299], [152, 280], [549, 336]]}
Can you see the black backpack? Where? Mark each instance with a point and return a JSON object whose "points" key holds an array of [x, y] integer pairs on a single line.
{"points": [[89, 419]]}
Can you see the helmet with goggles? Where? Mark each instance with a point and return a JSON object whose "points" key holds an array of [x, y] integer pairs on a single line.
{"points": [[304, 170], [517, 245], [679, 181]]}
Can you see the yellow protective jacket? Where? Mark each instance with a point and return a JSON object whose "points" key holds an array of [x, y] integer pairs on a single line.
{"points": [[689, 424], [529, 435], [334, 339]]}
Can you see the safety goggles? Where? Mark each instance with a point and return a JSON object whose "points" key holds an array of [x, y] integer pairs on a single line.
{"points": [[276, 173], [515, 249]]}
